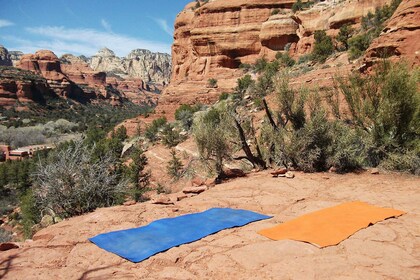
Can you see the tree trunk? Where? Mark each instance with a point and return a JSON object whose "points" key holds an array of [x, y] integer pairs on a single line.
{"points": [[256, 161]]}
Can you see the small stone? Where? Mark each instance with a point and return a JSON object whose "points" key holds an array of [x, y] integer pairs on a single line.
{"points": [[195, 190], [8, 246], [196, 182], [164, 200], [290, 175], [279, 171], [374, 171], [181, 196], [129, 203]]}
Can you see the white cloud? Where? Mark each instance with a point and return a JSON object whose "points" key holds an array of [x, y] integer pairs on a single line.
{"points": [[83, 41], [106, 25], [5, 22], [164, 25]]}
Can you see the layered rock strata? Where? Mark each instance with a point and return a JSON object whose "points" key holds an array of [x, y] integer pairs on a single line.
{"points": [[140, 64], [213, 40]]}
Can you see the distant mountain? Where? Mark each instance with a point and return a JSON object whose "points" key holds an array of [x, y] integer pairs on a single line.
{"points": [[144, 64]]}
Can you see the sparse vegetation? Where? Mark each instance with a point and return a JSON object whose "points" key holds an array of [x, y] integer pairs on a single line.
{"points": [[212, 83], [345, 33], [152, 130]]}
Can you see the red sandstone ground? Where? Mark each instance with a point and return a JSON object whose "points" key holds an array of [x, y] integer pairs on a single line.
{"points": [[387, 250]]}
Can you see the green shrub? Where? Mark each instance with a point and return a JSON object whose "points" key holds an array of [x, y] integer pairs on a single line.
{"points": [[138, 178], [359, 43], [212, 83], [184, 114], [385, 105], [174, 167], [152, 130], [275, 11], [323, 46], [243, 84], [31, 213], [223, 96], [71, 182], [171, 136], [345, 33], [285, 59]]}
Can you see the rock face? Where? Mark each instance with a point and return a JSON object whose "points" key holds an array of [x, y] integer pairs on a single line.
{"points": [[5, 57], [211, 41], [15, 56], [142, 64], [400, 38], [46, 64], [23, 86]]}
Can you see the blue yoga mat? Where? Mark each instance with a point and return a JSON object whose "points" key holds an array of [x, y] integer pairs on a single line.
{"points": [[140, 243]]}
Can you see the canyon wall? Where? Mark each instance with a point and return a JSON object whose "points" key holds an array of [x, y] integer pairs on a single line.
{"points": [[213, 40]]}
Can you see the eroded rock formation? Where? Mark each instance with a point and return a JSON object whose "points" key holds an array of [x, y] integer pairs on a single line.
{"points": [[212, 40], [140, 64], [401, 36]]}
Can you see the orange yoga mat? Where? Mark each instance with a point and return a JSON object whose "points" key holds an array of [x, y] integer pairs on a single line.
{"points": [[332, 225]]}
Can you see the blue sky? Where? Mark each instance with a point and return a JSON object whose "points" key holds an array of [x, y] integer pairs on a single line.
{"points": [[84, 26]]}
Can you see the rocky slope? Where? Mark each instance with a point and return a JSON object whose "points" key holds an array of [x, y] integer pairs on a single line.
{"points": [[213, 40], [386, 250], [142, 64]]}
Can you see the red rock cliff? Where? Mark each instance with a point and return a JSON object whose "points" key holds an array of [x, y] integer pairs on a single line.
{"points": [[211, 41]]}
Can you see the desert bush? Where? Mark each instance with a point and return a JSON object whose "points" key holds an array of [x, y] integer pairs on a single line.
{"points": [[138, 178], [211, 138], [184, 114], [285, 59], [386, 106], [223, 96], [22, 136], [212, 83], [171, 135], [174, 167], [323, 46], [243, 84], [345, 33], [290, 101], [71, 183], [153, 129], [31, 213]]}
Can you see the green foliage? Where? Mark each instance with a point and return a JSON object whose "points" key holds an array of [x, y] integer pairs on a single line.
{"points": [[223, 96], [138, 178], [31, 213], [372, 25], [386, 106], [345, 33], [243, 84], [153, 129], [211, 137], [299, 5], [275, 11], [171, 136], [184, 114], [212, 82], [174, 167], [285, 59], [359, 43], [291, 102], [72, 181], [323, 46]]}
